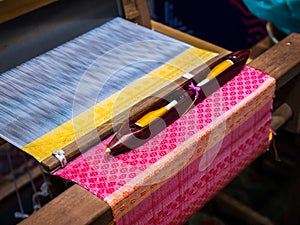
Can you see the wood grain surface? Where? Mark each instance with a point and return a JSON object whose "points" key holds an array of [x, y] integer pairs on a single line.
{"points": [[282, 61], [12, 9], [75, 206], [137, 11]]}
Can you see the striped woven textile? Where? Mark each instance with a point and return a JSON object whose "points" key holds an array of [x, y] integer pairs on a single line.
{"points": [[55, 98]]}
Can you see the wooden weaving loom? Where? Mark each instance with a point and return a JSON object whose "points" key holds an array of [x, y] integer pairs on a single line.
{"points": [[95, 211]]}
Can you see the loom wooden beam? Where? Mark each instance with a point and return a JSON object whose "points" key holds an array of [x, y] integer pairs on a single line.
{"points": [[78, 206], [282, 61], [171, 32], [137, 11], [261, 47], [74, 206], [232, 206], [281, 115], [12, 9]]}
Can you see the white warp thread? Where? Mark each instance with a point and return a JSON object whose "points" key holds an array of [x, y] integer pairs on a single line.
{"points": [[38, 95]]}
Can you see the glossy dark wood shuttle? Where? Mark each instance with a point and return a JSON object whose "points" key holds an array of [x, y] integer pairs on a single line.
{"points": [[135, 132]]}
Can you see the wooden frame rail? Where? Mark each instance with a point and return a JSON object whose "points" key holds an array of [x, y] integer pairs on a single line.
{"points": [[137, 11], [12, 9]]}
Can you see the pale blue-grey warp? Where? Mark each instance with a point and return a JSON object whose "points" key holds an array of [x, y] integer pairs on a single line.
{"points": [[52, 88]]}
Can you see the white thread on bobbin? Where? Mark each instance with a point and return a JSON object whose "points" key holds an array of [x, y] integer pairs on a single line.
{"points": [[60, 155]]}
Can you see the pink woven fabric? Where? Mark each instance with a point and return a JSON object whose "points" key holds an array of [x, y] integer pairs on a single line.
{"points": [[191, 188], [230, 127]]}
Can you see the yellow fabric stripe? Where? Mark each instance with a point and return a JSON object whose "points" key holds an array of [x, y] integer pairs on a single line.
{"points": [[58, 138]]}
